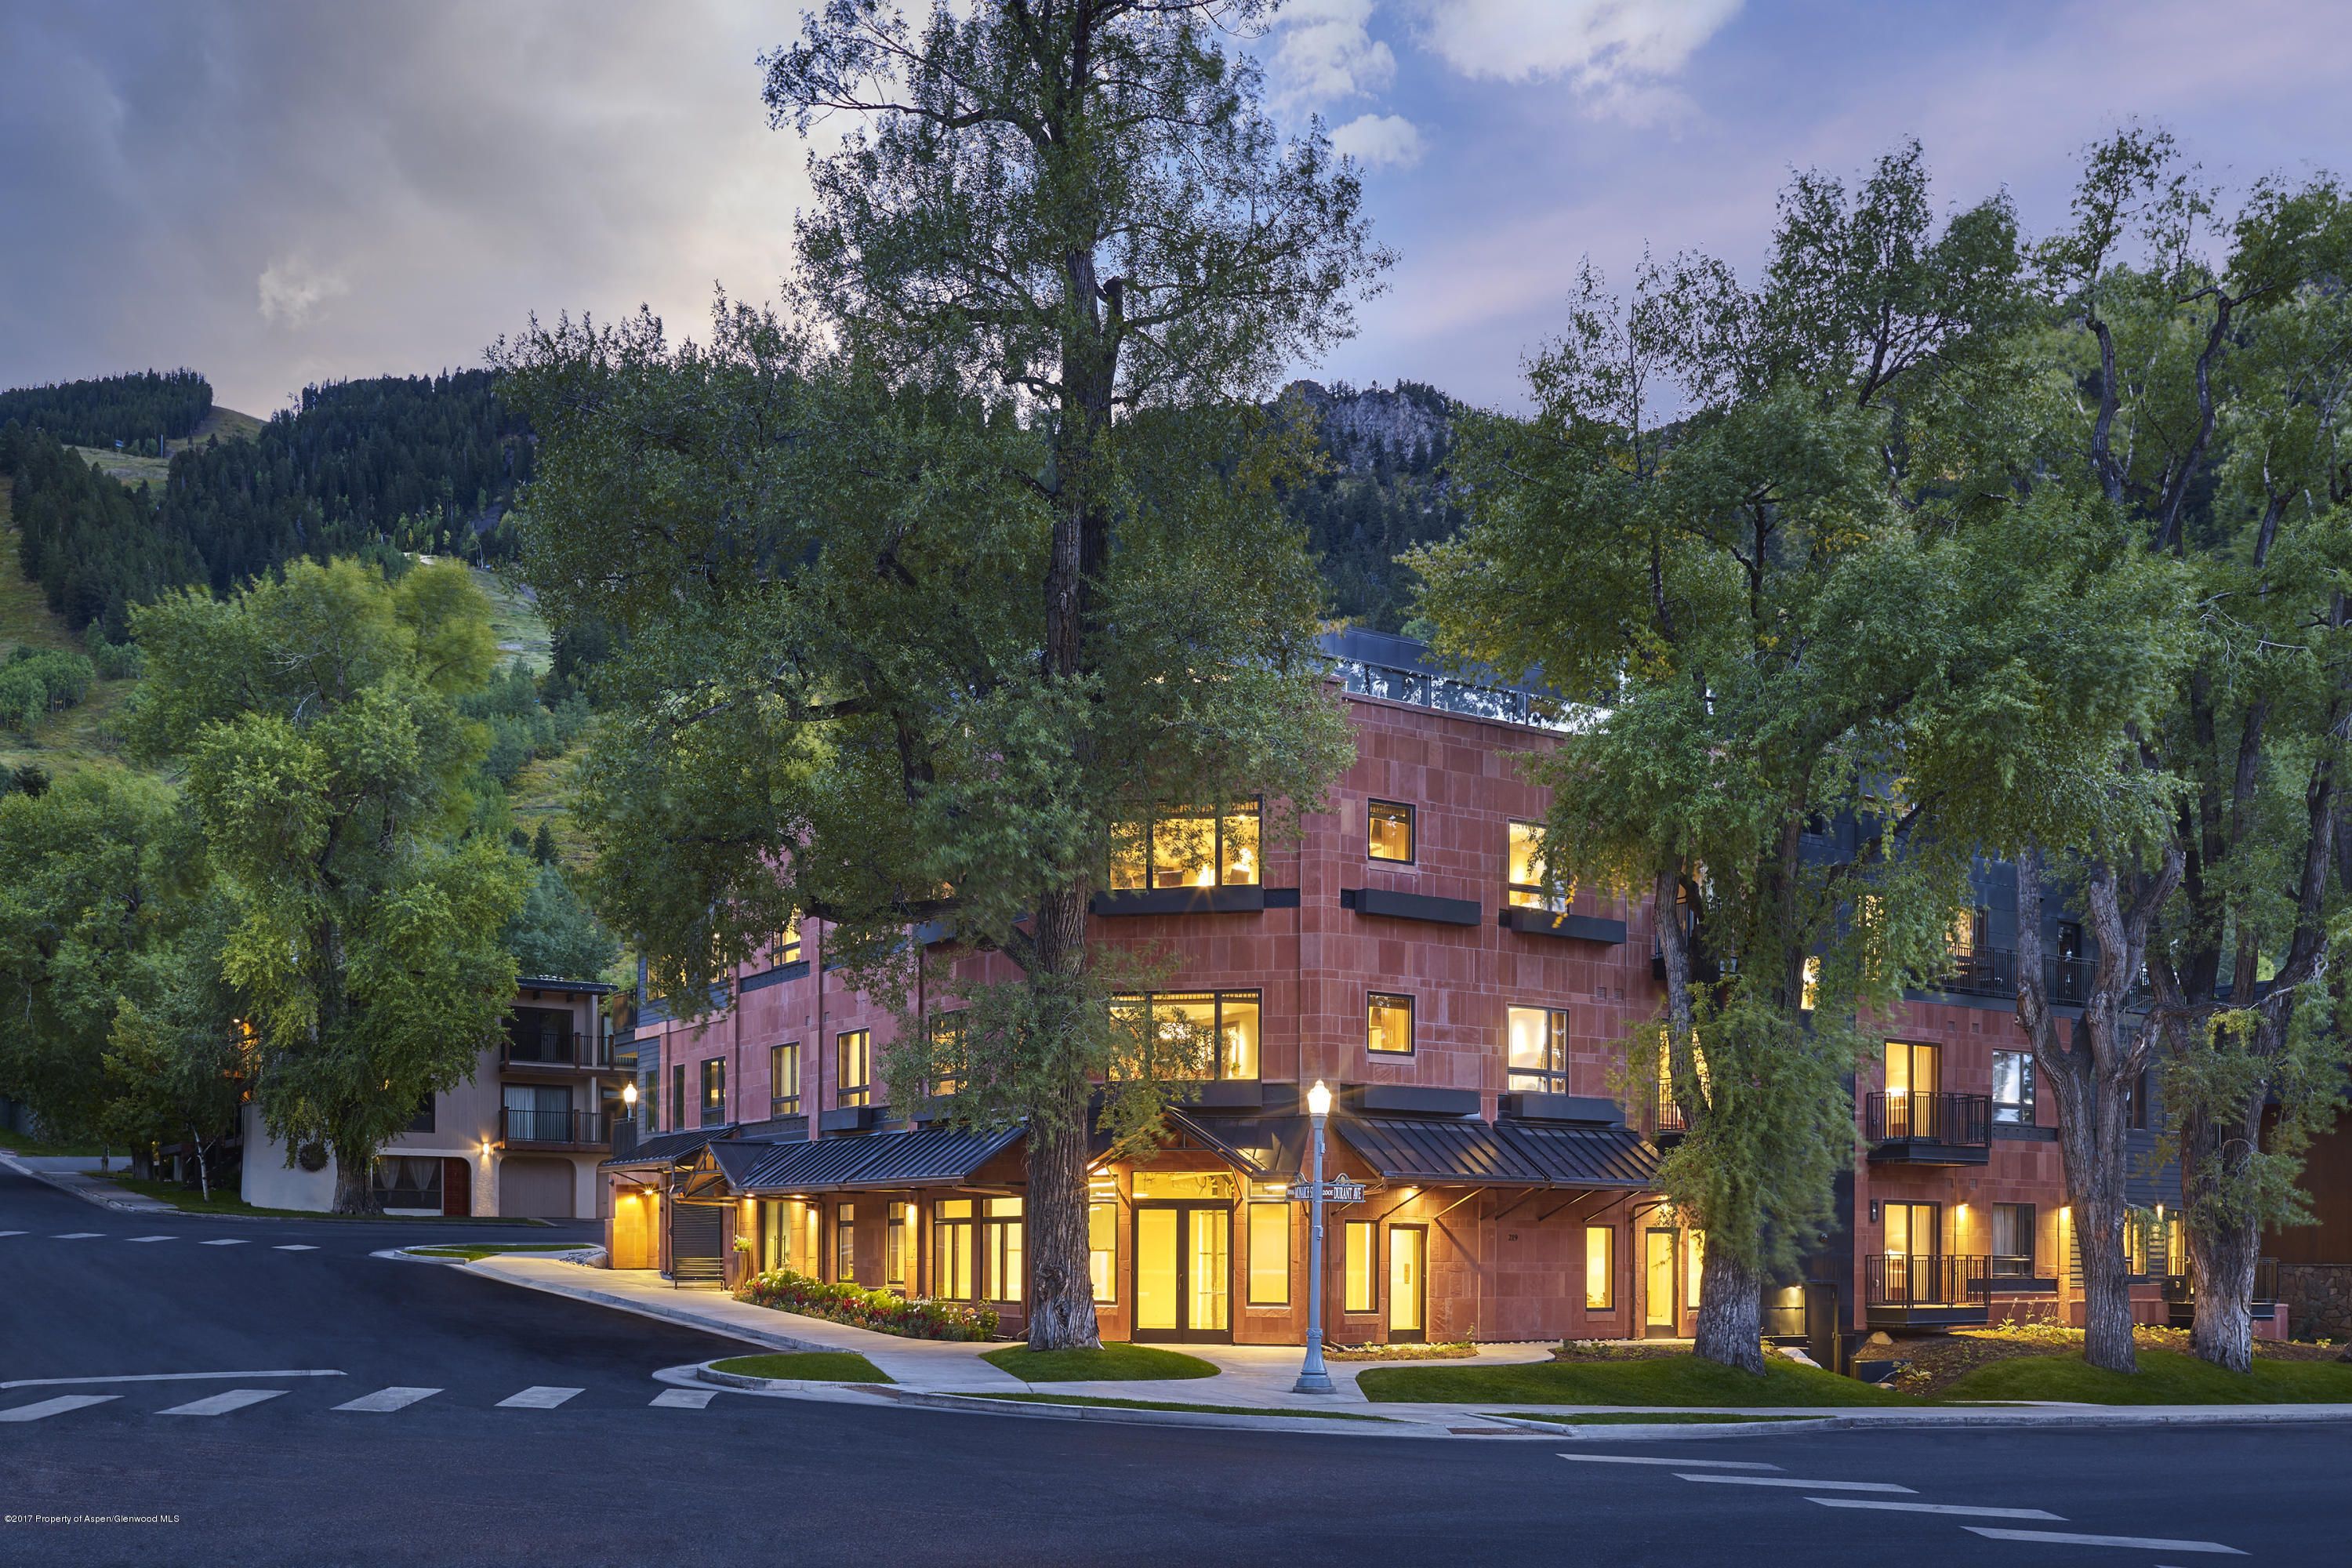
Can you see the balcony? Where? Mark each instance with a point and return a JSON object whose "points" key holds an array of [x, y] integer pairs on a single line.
{"points": [[580, 1130], [2180, 1295], [1928, 1129], [1982, 971], [567, 1055], [1667, 1124], [1925, 1291]]}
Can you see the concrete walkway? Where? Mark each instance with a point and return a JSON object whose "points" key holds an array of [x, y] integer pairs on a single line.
{"points": [[1259, 1376], [72, 1174]]}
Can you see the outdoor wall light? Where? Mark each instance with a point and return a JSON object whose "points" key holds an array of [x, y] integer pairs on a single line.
{"points": [[629, 1094]]}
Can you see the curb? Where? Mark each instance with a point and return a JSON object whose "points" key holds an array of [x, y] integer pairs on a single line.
{"points": [[708, 1371], [587, 1254], [614, 1303], [1388, 1427], [1664, 1431]]}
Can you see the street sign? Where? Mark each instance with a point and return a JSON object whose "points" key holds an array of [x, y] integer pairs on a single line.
{"points": [[1333, 1193]]}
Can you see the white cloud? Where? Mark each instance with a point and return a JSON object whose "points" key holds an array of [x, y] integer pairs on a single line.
{"points": [[1325, 54], [292, 290], [1379, 141], [1603, 47]]}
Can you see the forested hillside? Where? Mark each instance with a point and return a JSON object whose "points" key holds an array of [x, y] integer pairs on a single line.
{"points": [[141, 411], [1385, 491]]}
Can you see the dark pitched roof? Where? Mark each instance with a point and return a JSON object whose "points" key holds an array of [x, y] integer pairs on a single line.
{"points": [[1271, 1147], [926, 1156], [1481, 1153], [668, 1149]]}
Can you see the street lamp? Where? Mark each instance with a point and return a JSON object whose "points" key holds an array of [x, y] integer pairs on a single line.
{"points": [[1312, 1378], [629, 1095]]}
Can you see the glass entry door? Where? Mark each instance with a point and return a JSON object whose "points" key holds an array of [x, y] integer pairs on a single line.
{"points": [[1658, 1317], [1408, 1284], [1184, 1271]]}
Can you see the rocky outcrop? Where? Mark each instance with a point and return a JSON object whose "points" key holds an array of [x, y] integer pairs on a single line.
{"points": [[1357, 426]]}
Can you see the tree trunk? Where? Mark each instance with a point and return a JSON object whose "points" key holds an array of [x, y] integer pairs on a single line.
{"points": [[2106, 1293], [355, 1193], [1061, 1294], [203, 1182], [1730, 1312], [2221, 1267]]}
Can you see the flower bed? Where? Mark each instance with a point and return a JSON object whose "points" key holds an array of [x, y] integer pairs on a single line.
{"points": [[860, 1308]]}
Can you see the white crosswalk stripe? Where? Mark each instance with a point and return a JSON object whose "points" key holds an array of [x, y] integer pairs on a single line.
{"points": [[58, 1406], [1793, 1482], [296, 1246], [389, 1399], [79, 1235], [1935, 1508], [2137, 1543], [1685, 1464], [222, 1404], [538, 1398], [154, 1238], [232, 1241], [15, 1233], [683, 1398]]}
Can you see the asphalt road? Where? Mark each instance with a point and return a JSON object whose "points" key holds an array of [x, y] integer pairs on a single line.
{"points": [[605, 1475]]}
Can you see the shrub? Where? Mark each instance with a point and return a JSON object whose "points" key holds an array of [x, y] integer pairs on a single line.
{"points": [[877, 1310], [35, 683]]}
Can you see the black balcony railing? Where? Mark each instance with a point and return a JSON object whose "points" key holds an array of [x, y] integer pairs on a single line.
{"points": [[1924, 1280], [1982, 971], [1929, 1118], [2180, 1292], [1667, 1120], [575, 1129], [2007, 1266]]}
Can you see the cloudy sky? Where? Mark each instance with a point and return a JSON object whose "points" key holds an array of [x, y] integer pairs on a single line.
{"points": [[283, 193]]}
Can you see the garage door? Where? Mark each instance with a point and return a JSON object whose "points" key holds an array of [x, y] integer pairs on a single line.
{"points": [[536, 1189]]}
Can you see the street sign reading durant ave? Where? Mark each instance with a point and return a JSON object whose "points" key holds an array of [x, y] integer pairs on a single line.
{"points": [[1333, 1192]]}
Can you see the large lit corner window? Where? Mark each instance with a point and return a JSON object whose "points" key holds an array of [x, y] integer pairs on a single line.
{"points": [[1388, 831], [1388, 1025], [2013, 1087], [855, 1062], [1188, 848], [1537, 1046], [784, 1079], [1229, 1020], [1530, 884]]}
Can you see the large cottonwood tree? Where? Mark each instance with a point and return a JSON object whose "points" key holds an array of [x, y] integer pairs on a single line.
{"points": [[979, 557]]}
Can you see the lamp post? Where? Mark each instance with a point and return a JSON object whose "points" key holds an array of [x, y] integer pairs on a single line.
{"points": [[1312, 1378]]}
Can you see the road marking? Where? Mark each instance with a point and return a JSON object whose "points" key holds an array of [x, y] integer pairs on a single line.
{"points": [[683, 1398], [58, 1406], [1791, 1481], [538, 1398], [2138, 1542], [1935, 1508], [222, 1404], [296, 1246], [1640, 1459], [232, 1241], [79, 1235], [153, 1238], [389, 1399], [158, 1377], [15, 1233]]}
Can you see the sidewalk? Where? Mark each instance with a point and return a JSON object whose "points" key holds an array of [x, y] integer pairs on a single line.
{"points": [[72, 1174], [1259, 1376]]}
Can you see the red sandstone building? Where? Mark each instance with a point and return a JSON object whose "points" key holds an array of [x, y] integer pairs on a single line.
{"points": [[1402, 953]]}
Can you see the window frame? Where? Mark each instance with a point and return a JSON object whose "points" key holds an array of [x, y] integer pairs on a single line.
{"points": [[677, 1097], [784, 1062], [2024, 1218], [1608, 1291], [1004, 1251], [1103, 1211], [1253, 808], [844, 1244], [1277, 1210], [2024, 1109], [1360, 1266], [1531, 895], [1554, 1076], [1411, 833], [897, 1243], [713, 1085], [846, 1094], [1412, 1023], [1148, 1000]]}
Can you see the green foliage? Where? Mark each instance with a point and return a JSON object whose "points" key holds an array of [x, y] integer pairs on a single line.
{"points": [[1661, 1380], [1110, 1362], [806, 1366], [36, 682], [877, 1310], [521, 727], [2164, 1377], [555, 934], [136, 408], [326, 765]]}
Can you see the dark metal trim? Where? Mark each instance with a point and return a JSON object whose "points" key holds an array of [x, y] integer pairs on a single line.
{"points": [[1180, 901], [1392, 905]]}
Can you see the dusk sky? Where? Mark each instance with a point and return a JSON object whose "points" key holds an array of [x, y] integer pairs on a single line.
{"points": [[274, 193]]}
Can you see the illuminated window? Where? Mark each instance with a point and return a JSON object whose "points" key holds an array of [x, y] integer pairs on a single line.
{"points": [[2013, 1087], [1694, 1266], [854, 1082], [1102, 1249], [1811, 988], [845, 1243], [1599, 1268], [2012, 1240], [787, 948], [946, 1045], [897, 1244], [1269, 1255], [1000, 1248], [784, 1081], [1388, 830], [714, 1092], [782, 1237], [1188, 848], [1226, 1022], [1363, 1269], [1536, 1041], [953, 1250], [1529, 888], [1390, 1020]]}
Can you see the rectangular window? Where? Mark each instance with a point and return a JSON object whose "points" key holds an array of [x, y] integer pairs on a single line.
{"points": [[1269, 1255], [1537, 1047], [677, 1097], [1001, 1250], [787, 949], [855, 1080], [714, 1092], [1810, 988], [1693, 1269], [1362, 1269], [947, 1047], [1388, 830], [2013, 1087], [2013, 1241], [649, 1099], [952, 1249], [1599, 1268], [423, 1120], [1224, 1023], [845, 1243], [784, 1079], [1190, 847], [781, 1236], [898, 1245], [1390, 1025], [1531, 886], [2138, 1103], [1102, 1249]]}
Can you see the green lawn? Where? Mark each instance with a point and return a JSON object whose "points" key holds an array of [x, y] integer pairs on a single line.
{"points": [[2164, 1377], [1665, 1381], [806, 1366], [34, 1148], [1646, 1418], [1165, 1405], [493, 1249], [1113, 1363], [187, 1200]]}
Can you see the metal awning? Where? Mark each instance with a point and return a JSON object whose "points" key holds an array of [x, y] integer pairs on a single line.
{"points": [[929, 1157], [668, 1149], [1270, 1148], [1499, 1154]]}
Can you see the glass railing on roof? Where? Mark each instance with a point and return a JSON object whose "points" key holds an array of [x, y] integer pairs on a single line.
{"points": [[1381, 664]]}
